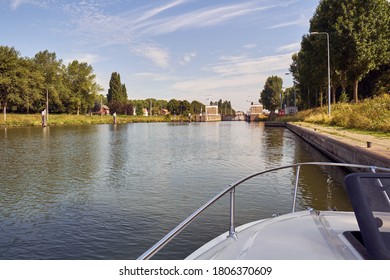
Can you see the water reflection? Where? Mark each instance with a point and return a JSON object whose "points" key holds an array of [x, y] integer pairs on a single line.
{"points": [[328, 193], [111, 191]]}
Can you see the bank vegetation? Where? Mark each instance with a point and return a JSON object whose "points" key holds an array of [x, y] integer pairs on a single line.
{"points": [[371, 114]]}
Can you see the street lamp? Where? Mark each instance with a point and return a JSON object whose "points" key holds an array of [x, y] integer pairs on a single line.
{"points": [[327, 40], [47, 104]]}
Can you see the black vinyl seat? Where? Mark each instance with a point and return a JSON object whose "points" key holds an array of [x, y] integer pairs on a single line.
{"points": [[369, 194]]}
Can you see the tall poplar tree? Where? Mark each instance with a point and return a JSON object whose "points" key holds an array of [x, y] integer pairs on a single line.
{"points": [[271, 94], [117, 90], [359, 32]]}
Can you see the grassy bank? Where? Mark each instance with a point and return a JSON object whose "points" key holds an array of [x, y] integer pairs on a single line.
{"points": [[20, 120], [368, 115]]}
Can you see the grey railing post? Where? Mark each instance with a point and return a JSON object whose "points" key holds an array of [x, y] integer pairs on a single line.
{"points": [[232, 229], [296, 189]]}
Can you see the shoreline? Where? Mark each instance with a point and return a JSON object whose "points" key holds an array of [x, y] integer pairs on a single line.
{"points": [[345, 146], [35, 120]]}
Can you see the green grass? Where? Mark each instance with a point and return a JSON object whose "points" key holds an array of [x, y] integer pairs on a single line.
{"points": [[371, 115], [22, 120]]}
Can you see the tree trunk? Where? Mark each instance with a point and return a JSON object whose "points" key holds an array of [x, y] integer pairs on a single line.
{"points": [[355, 91], [343, 88], [334, 95], [321, 98]]}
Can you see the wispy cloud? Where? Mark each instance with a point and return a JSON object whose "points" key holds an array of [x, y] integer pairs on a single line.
{"points": [[187, 58], [289, 48], [238, 66], [155, 11], [135, 28], [157, 55], [250, 46], [83, 57], [233, 76], [202, 18], [15, 4], [301, 21], [152, 76]]}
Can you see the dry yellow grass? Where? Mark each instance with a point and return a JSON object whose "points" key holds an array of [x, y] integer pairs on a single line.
{"points": [[372, 114]]}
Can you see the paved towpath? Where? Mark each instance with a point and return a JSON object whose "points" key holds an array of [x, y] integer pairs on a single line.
{"points": [[379, 144]]}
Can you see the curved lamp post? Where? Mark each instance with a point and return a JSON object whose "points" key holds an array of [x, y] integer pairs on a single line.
{"points": [[327, 40]]}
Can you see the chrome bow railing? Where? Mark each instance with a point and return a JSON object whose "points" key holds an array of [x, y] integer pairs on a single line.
{"points": [[232, 189]]}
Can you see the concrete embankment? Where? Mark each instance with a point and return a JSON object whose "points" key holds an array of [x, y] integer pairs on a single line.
{"points": [[343, 146]]}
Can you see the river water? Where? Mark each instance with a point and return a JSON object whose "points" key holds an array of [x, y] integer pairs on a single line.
{"points": [[111, 192]]}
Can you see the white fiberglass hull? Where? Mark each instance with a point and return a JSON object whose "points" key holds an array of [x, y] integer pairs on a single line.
{"points": [[301, 235]]}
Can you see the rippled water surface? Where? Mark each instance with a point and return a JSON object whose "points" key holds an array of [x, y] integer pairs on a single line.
{"points": [[111, 192]]}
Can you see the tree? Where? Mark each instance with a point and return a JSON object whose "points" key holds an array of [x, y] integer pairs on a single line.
{"points": [[185, 108], [117, 91], [82, 85], [9, 70], [271, 94], [51, 70], [225, 107], [359, 33], [31, 87], [174, 106], [196, 107]]}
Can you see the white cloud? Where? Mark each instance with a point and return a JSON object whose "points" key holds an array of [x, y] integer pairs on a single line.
{"points": [[250, 46], [157, 55], [135, 27], [151, 76], [154, 12], [244, 66], [289, 48], [187, 58], [89, 58], [15, 4], [235, 78], [303, 20], [201, 18]]}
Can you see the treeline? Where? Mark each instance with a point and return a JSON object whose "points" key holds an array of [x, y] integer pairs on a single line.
{"points": [[358, 34], [118, 102], [173, 107], [26, 84]]}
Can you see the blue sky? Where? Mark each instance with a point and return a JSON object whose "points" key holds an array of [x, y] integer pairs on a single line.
{"points": [[183, 49]]}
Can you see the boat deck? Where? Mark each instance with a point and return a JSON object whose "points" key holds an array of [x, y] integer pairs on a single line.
{"points": [[301, 235]]}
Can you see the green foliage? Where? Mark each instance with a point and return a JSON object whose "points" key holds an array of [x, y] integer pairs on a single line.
{"points": [[225, 108], [9, 76], [359, 41], [117, 90], [196, 107], [25, 83], [81, 82], [117, 95], [271, 94], [343, 97], [174, 107]]}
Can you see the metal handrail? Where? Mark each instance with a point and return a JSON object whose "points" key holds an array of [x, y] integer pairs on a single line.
{"points": [[231, 188]]}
